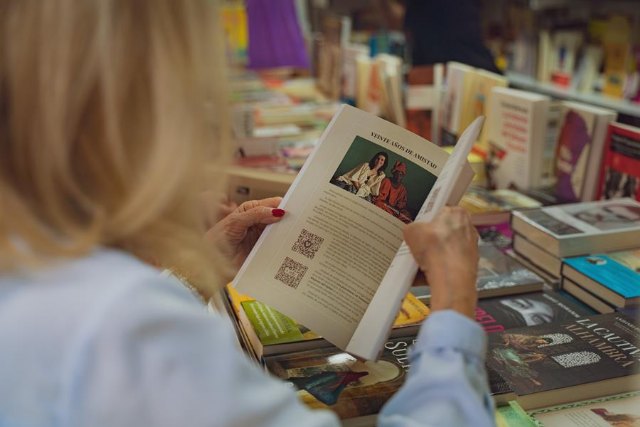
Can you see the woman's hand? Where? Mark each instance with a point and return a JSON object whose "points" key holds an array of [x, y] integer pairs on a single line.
{"points": [[446, 250], [236, 233]]}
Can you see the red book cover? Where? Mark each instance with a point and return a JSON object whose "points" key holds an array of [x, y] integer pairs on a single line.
{"points": [[620, 171]]}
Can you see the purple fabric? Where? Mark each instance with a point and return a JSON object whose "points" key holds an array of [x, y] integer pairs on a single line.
{"points": [[275, 38]]}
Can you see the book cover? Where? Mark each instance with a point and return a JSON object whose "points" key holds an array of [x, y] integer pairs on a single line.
{"points": [[567, 361], [498, 274], [588, 298], [329, 379], [489, 207], [621, 410], [337, 263], [512, 415], [614, 277], [516, 132], [271, 332], [620, 172], [581, 228], [530, 309], [579, 147]]}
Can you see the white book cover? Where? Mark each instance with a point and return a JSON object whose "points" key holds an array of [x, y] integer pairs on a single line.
{"points": [[328, 264], [516, 132]]}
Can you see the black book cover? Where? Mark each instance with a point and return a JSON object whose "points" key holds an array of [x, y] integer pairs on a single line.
{"points": [[569, 355], [535, 308]]}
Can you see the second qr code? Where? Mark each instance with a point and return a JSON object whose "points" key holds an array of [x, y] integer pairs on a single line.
{"points": [[291, 272], [307, 244]]}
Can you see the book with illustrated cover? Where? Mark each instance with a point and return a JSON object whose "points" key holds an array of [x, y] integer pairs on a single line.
{"points": [[621, 410], [581, 228], [579, 150], [535, 308], [498, 274], [562, 362], [620, 172], [336, 262], [613, 277], [329, 379], [270, 332]]}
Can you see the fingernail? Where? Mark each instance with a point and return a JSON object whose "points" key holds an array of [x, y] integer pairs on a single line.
{"points": [[277, 212]]}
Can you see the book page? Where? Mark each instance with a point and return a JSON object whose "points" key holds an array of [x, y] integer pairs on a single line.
{"points": [[321, 265], [377, 321]]}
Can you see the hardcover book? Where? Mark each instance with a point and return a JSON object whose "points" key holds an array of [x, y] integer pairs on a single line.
{"points": [[579, 150], [613, 277], [498, 274], [581, 228], [531, 309], [622, 410], [560, 362], [336, 263], [620, 172], [329, 379], [458, 85]]}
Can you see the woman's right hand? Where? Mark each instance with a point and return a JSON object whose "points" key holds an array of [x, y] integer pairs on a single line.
{"points": [[446, 249]]}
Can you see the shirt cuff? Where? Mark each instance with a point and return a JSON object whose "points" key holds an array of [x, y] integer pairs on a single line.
{"points": [[450, 329]]}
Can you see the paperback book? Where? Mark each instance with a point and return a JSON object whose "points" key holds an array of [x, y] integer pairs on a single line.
{"points": [[581, 228], [336, 263], [489, 207], [614, 277], [561, 362], [536, 308], [620, 172], [579, 150]]}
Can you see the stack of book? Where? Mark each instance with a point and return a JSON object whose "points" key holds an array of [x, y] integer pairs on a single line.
{"points": [[605, 282], [544, 236]]}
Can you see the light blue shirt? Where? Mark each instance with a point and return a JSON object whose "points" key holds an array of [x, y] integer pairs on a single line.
{"points": [[105, 341]]}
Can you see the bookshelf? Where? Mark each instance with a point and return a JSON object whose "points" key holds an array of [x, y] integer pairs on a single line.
{"points": [[622, 106]]}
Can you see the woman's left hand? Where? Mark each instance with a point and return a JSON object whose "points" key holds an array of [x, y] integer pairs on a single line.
{"points": [[237, 232]]}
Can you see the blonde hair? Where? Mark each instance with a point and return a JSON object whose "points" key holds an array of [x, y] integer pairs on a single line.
{"points": [[107, 112]]}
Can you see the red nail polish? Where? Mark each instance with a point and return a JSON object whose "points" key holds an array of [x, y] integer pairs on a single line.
{"points": [[277, 212]]}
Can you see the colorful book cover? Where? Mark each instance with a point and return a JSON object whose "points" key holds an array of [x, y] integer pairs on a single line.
{"points": [[512, 415], [530, 309], [570, 358], [619, 272], [621, 410], [620, 172], [273, 328], [488, 207], [329, 379], [581, 136]]}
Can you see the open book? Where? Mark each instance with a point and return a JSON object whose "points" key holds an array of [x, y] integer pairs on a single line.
{"points": [[336, 263]]}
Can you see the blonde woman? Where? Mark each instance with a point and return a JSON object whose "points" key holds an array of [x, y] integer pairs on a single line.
{"points": [[107, 109]]}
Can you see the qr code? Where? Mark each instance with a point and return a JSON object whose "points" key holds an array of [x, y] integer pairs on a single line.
{"points": [[291, 272], [307, 244]]}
